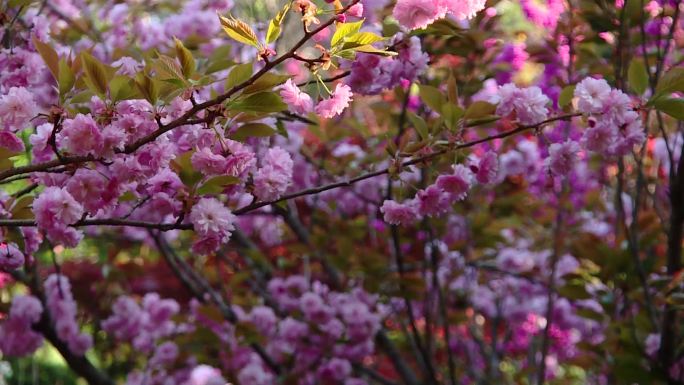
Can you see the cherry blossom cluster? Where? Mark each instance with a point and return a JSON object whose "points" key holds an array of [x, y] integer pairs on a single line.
{"points": [[142, 326], [149, 328], [11, 257], [614, 127], [61, 305], [372, 74], [317, 332], [301, 103], [413, 14], [17, 338], [438, 198], [500, 297]]}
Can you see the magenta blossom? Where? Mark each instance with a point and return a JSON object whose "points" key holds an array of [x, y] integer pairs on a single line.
{"points": [[334, 105]]}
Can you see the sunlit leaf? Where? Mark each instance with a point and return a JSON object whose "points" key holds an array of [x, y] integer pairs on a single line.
{"points": [[343, 30], [239, 30], [274, 27]]}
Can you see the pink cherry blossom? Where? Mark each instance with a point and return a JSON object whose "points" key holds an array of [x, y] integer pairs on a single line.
{"points": [[81, 136], [591, 94], [11, 257], [17, 108], [399, 213], [298, 101], [336, 104], [415, 14], [562, 157]]}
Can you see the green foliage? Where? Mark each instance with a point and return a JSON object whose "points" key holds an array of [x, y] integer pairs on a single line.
{"points": [[239, 30], [671, 106], [260, 102], [217, 184], [343, 30], [238, 74], [97, 75], [252, 130], [566, 95], [671, 81], [638, 77], [274, 26]]}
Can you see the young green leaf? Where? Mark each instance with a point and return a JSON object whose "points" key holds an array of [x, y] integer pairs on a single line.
{"points": [[372, 50], [219, 60], [182, 165], [96, 74], [49, 56], [217, 184], [343, 30], [265, 82], [566, 96], [122, 88], [274, 27], [419, 124], [260, 102], [637, 76], [147, 87], [479, 109], [252, 130], [671, 106], [671, 81], [167, 68], [239, 30], [451, 114], [432, 96], [361, 39], [66, 77], [238, 74], [187, 61]]}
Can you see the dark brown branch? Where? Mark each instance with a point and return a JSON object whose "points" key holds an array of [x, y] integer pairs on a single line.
{"points": [[422, 159], [328, 80], [104, 222], [79, 364]]}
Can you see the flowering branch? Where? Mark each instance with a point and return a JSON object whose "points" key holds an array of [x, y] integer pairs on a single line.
{"points": [[421, 159], [200, 287], [185, 119], [327, 80], [311, 191], [80, 364]]}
